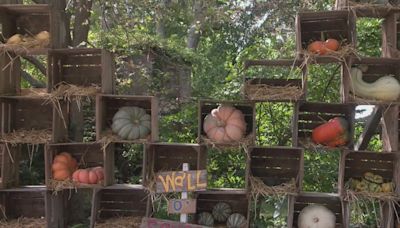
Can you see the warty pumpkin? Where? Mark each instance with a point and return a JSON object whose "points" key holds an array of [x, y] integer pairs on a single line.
{"points": [[131, 123], [332, 133], [221, 211], [225, 124]]}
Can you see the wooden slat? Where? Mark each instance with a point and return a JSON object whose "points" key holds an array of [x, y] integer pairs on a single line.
{"points": [[82, 60]]}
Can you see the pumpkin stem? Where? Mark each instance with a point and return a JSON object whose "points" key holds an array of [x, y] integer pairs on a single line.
{"points": [[221, 123], [315, 219]]}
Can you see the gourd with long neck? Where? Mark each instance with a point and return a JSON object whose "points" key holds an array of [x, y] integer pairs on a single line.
{"points": [[386, 88]]}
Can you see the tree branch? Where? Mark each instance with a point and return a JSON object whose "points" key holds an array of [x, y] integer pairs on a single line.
{"points": [[36, 62], [32, 81], [81, 23]]}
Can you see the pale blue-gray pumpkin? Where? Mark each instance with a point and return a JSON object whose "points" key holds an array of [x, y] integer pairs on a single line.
{"points": [[131, 123], [221, 211], [236, 220], [205, 219]]}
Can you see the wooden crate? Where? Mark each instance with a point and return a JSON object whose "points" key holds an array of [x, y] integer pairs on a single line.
{"points": [[160, 157], [377, 68], [81, 67], [238, 200], [27, 20], [300, 84], [377, 11], [27, 113], [10, 75], [108, 105], [28, 202], [246, 107], [87, 155], [310, 115], [331, 201], [9, 169], [338, 24], [119, 201], [277, 165]]}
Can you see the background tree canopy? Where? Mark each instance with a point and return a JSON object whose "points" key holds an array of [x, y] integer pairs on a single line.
{"points": [[183, 50]]}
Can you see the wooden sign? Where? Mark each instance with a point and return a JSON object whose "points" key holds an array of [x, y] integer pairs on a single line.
{"points": [[181, 181], [182, 206], [159, 223]]}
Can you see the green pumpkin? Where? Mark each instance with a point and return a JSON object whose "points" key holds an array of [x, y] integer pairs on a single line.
{"points": [[205, 219], [221, 211], [236, 220], [131, 123]]}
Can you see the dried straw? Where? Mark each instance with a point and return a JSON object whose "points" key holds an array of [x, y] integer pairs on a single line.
{"points": [[109, 137], [258, 188], [308, 144], [57, 186], [244, 142], [263, 91], [34, 92], [120, 222], [23, 222], [27, 136], [365, 101]]}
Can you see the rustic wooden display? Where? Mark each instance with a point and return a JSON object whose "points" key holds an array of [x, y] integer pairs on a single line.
{"points": [[277, 165], [170, 157], [377, 11], [181, 181], [118, 201], [377, 68], [81, 67], [236, 198], [26, 20], [338, 24], [26, 113], [28, 202], [246, 107], [10, 75], [288, 63], [310, 115], [108, 105], [88, 155], [331, 201]]}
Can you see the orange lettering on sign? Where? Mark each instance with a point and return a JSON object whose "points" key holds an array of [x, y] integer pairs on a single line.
{"points": [[179, 179], [198, 182], [189, 181], [169, 181]]}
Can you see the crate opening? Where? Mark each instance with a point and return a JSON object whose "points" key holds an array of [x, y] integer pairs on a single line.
{"points": [[128, 163], [269, 211], [367, 28], [274, 123], [226, 168], [323, 83], [314, 162], [31, 172]]}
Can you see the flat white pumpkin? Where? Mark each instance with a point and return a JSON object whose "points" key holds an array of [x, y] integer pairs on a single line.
{"points": [[131, 123], [316, 216]]}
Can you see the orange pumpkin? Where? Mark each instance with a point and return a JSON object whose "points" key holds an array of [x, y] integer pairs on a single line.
{"points": [[332, 44], [225, 124], [88, 176], [99, 172], [59, 166], [75, 175], [83, 176], [332, 133], [61, 175], [317, 47], [63, 162]]}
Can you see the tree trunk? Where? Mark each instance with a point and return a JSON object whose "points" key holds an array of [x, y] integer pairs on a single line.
{"points": [[197, 24], [160, 18], [81, 23]]}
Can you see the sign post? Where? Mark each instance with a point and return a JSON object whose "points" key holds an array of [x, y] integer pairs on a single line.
{"points": [[184, 194]]}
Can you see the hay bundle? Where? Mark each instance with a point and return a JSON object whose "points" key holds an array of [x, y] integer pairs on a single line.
{"points": [[258, 188], [263, 91], [244, 142], [120, 222], [57, 185], [23, 222], [22, 136]]}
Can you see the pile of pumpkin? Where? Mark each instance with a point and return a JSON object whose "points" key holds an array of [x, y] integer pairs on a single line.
{"points": [[323, 47], [40, 40], [371, 183], [333, 133], [225, 124], [65, 168], [222, 213], [131, 122]]}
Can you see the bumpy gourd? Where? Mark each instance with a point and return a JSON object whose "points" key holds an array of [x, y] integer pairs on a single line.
{"points": [[205, 219], [386, 88], [221, 211], [236, 220], [316, 216], [225, 124], [131, 123]]}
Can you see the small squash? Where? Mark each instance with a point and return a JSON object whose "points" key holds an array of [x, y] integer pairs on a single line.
{"points": [[205, 219], [131, 123], [15, 39], [225, 124], [332, 133], [221, 211], [61, 175], [316, 216], [317, 47], [236, 220]]}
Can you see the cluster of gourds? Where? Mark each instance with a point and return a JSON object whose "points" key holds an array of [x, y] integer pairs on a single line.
{"points": [[40, 40], [323, 47], [316, 216], [371, 183], [222, 212], [65, 167], [225, 124], [131, 122], [333, 133]]}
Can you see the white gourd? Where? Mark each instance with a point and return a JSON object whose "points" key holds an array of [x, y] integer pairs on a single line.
{"points": [[316, 216], [131, 123], [386, 88]]}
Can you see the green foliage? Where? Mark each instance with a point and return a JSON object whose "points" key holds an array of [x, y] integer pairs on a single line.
{"points": [[128, 163], [31, 165], [369, 37], [269, 212]]}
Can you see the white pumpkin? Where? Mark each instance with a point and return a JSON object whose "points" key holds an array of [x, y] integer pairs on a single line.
{"points": [[131, 123], [316, 216]]}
